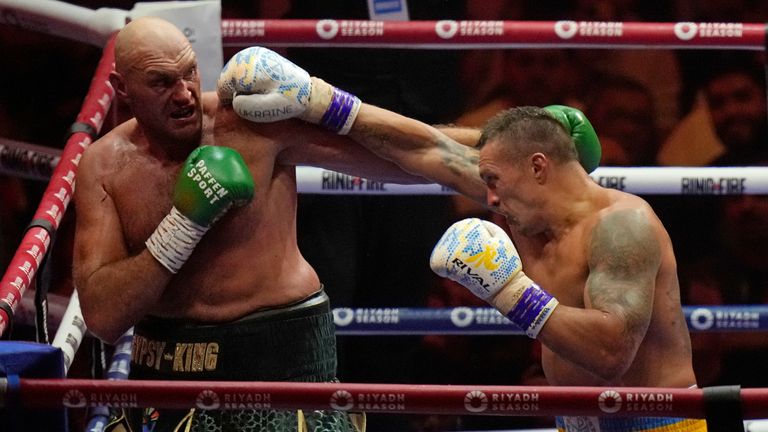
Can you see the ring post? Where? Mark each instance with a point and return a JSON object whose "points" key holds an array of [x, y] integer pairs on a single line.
{"points": [[722, 409], [29, 360]]}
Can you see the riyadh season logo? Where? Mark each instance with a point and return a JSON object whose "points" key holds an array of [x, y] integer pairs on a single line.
{"points": [[342, 400], [609, 401], [705, 319], [446, 29], [207, 400], [566, 29], [688, 30], [327, 28], [702, 319], [343, 316], [685, 30], [74, 399], [475, 401], [462, 316]]}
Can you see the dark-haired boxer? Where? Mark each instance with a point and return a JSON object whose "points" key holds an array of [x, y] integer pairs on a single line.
{"points": [[600, 290]]}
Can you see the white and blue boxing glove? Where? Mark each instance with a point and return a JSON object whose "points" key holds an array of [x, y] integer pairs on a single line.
{"points": [[264, 87], [480, 256]]}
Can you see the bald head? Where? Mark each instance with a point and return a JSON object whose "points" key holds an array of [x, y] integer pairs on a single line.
{"points": [[156, 75], [148, 37]]}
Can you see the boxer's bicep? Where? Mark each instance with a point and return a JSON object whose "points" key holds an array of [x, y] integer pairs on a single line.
{"points": [[463, 135], [623, 263]]}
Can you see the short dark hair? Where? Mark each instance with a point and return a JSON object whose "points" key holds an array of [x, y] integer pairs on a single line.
{"points": [[526, 130]]}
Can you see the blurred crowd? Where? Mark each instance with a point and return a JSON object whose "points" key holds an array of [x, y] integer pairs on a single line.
{"points": [[649, 107]]}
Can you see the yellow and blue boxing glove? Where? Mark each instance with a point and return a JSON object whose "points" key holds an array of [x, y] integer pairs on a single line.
{"points": [[480, 256]]}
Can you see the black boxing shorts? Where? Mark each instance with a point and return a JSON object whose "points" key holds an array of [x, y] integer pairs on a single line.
{"points": [[295, 342]]}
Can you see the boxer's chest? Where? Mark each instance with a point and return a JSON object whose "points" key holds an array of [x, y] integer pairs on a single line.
{"points": [[560, 268], [143, 196]]}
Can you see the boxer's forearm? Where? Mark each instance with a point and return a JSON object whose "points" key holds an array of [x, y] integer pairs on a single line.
{"points": [[592, 339], [419, 149], [118, 295]]}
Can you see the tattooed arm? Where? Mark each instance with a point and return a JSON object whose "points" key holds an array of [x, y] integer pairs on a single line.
{"points": [[624, 258], [421, 149]]}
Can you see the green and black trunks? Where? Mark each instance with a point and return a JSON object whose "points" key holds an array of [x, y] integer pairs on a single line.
{"points": [[295, 342]]}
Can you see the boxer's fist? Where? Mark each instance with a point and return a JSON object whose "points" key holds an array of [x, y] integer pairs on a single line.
{"points": [[264, 87], [480, 256], [212, 180], [582, 132], [477, 254]]}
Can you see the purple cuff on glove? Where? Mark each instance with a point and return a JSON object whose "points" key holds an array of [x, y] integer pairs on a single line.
{"points": [[532, 310], [338, 112]]}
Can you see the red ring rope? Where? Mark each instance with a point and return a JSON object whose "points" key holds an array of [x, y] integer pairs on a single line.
{"points": [[392, 398], [494, 34]]}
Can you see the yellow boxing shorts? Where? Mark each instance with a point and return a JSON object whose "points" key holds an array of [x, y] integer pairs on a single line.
{"points": [[626, 424]]}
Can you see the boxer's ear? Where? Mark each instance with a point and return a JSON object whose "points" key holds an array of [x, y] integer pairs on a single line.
{"points": [[538, 165], [117, 82]]}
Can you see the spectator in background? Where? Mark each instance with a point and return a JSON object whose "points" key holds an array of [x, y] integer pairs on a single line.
{"points": [[736, 269], [729, 127], [656, 69], [735, 95], [537, 77], [708, 11], [622, 111], [733, 116], [481, 70]]}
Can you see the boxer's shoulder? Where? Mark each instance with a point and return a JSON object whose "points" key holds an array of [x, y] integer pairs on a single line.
{"points": [[210, 103]]}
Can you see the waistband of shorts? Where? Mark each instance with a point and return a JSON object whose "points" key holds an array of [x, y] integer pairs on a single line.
{"points": [[295, 342], [316, 304], [625, 424]]}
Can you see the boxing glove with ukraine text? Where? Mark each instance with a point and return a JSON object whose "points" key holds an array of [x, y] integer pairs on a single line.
{"points": [[582, 132], [480, 256], [211, 181], [263, 86]]}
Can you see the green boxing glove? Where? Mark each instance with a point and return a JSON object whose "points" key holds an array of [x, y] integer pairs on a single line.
{"points": [[212, 180], [582, 132]]}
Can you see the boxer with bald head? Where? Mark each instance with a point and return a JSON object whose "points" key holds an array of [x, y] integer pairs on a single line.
{"points": [[186, 229], [600, 288]]}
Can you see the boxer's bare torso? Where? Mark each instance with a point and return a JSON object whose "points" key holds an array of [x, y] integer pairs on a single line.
{"points": [[249, 259], [561, 265]]}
